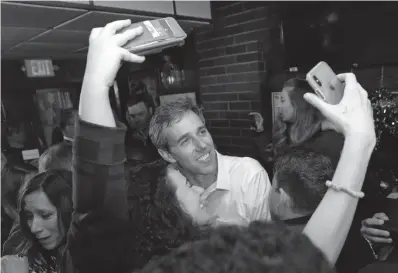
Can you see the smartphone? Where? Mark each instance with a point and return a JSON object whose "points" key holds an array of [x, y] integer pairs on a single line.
{"points": [[325, 83], [392, 229], [157, 35]]}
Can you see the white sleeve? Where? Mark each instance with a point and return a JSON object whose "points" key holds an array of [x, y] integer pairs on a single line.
{"points": [[256, 197], [13, 264]]}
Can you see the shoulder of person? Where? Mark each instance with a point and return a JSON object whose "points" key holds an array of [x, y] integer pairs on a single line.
{"points": [[244, 167], [330, 135], [14, 263]]}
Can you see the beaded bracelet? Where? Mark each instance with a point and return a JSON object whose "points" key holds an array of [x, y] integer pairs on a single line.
{"points": [[356, 194]]}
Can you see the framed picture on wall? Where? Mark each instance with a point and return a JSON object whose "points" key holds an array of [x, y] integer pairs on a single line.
{"points": [[276, 105]]}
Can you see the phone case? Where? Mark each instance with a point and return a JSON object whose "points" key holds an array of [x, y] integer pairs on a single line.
{"points": [[325, 83], [157, 35], [392, 229]]}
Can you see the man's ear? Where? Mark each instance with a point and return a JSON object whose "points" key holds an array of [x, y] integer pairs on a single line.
{"points": [[167, 156], [285, 197]]}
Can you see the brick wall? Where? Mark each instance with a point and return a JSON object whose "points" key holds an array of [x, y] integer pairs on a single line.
{"points": [[235, 55], [232, 65]]}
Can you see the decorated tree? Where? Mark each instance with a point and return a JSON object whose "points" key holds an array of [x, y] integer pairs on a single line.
{"points": [[385, 164]]}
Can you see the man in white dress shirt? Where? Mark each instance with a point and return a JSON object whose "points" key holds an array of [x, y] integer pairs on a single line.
{"points": [[209, 186]]}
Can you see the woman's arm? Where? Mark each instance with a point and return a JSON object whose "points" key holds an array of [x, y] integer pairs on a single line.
{"points": [[330, 223], [99, 238], [353, 117]]}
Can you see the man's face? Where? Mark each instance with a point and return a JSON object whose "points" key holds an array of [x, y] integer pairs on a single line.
{"points": [[191, 145], [138, 115]]}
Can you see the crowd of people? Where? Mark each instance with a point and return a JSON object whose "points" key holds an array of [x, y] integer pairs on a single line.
{"points": [[207, 212]]}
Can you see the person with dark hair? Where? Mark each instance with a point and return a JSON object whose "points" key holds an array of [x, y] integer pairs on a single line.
{"points": [[11, 180], [138, 144], [99, 237], [66, 130], [58, 156], [45, 213], [260, 247], [298, 186]]}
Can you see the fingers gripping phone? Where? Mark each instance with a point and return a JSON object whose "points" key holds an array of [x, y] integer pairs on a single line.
{"points": [[325, 83], [157, 35]]}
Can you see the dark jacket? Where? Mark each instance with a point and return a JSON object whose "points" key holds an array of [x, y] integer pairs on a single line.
{"points": [[100, 235]]}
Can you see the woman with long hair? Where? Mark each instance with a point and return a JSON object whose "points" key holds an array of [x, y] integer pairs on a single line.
{"points": [[45, 212], [300, 124]]}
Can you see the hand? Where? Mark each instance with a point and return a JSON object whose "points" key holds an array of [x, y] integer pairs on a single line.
{"points": [[259, 120], [188, 197], [370, 229], [105, 53], [353, 115]]}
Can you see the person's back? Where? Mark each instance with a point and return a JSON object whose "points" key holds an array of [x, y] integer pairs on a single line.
{"points": [[260, 247], [58, 156]]}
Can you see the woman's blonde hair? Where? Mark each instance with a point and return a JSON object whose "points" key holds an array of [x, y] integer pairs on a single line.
{"points": [[307, 120]]}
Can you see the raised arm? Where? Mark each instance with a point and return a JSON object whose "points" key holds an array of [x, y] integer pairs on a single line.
{"points": [[353, 116], [99, 239]]}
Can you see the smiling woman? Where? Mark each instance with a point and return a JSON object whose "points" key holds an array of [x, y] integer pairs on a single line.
{"points": [[45, 211]]}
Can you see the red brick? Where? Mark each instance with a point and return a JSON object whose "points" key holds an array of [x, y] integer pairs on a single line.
{"points": [[206, 63], [218, 42], [241, 141], [208, 80], [210, 115], [211, 53], [255, 35], [239, 105], [239, 87], [235, 49], [248, 57], [219, 123], [219, 139], [220, 97], [256, 106], [220, 88], [249, 96], [215, 106], [224, 132], [229, 115], [244, 16], [241, 123], [247, 67], [212, 71]]}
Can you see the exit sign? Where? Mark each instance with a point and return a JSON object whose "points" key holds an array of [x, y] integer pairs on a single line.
{"points": [[39, 68]]}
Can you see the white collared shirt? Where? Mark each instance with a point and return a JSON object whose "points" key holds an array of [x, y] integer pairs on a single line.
{"points": [[240, 194]]}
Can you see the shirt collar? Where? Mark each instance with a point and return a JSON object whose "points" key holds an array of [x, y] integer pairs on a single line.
{"points": [[223, 178]]}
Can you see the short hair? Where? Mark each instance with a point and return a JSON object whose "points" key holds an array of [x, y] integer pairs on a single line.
{"points": [[144, 98], [168, 114], [302, 173], [68, 117], [58, 156], [260, 247]]}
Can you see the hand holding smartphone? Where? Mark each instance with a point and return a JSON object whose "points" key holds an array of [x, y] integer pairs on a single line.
{"points": [[325, 83], [157, 35]]}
